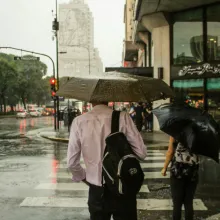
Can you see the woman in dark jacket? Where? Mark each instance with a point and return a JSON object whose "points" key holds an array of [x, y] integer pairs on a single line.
{"points": [[184, 178]]}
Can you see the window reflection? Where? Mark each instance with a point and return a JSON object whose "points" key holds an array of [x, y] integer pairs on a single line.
{"points": [[188, 37], [192, 91], [213, 25], [213, 87]]}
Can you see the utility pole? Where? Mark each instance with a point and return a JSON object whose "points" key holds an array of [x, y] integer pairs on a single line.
{"points": [[56, 29], [57, 54]]}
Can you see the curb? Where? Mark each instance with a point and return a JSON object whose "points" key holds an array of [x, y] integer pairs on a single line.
{"points": [[62, 140], [65, 140], [214, 217], [7, 116]]}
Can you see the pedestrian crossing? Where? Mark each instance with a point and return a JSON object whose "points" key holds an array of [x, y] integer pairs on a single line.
{"points": [[147, 175], [142, 204], [76, 194]]}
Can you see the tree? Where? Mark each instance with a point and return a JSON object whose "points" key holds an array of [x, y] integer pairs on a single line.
{"points": [[8, 74], [29, 84], [22, 80]]}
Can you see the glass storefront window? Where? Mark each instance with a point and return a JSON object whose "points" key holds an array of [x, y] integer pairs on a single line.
{"points": [[191, 91], [213, 35], [213, 87], [188, 37]]}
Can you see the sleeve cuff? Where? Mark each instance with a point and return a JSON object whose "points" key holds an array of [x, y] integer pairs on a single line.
{"points": [[78, 176]]}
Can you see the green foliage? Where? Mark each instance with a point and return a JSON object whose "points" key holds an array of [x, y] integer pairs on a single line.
{"points": [[22, 80]]}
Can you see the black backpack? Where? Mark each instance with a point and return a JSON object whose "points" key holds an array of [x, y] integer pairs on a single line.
{"points": [[121, 170]]}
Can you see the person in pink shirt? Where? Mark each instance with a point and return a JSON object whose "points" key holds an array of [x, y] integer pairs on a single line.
{"points": [[87, 140]]}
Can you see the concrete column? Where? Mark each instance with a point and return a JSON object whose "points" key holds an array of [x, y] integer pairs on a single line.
{"points": [[161, 57], [145, 38]]}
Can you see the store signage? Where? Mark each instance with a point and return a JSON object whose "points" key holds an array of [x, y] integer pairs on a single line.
{"points": [[200, 69]]}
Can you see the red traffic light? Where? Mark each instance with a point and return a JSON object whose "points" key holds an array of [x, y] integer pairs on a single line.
{"points": [[52, 81], [53, 93]]}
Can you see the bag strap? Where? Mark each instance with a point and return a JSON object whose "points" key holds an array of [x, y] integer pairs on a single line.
{"points": [[115, 121]]}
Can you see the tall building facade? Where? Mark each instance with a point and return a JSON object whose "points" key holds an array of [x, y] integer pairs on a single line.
{"points": [[77, 55]]}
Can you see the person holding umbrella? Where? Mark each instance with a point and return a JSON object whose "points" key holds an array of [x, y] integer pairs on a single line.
{"points": [[193, 132], [184, 178]]}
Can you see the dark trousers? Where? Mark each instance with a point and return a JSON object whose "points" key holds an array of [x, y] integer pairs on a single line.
{"points": [[183, 191], [103, 204], [139, 124]]}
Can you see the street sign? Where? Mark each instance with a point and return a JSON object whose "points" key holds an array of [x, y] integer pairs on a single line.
{"points": [[27, 58], [62, 99]]}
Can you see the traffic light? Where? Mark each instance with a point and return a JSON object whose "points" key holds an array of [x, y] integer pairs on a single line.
{"points": [[53, 83]]}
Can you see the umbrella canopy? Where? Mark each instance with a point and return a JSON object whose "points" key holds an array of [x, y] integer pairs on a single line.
{"points": [[115, 87], [194, 127]]}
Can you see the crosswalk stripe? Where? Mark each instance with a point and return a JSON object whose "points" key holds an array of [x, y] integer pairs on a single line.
{"points": [[74, 186], [155, 154], [148, 175], [143, 165], [155, 158], [152, 165], [142, 204], [155, 151], [150, 156]]}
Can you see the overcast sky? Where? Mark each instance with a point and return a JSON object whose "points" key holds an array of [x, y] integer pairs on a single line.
{"points": [[27, 24]]}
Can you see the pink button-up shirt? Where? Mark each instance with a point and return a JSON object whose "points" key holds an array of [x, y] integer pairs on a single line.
{"points": [[87, 137]]}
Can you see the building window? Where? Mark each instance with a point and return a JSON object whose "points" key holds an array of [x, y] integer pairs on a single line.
{"points": [[213, 35], [188, 37], [190, 91], [213, 88]]}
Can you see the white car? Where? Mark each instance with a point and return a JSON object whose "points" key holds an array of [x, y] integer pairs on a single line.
{"points": [[22, 114], [35, 113]]}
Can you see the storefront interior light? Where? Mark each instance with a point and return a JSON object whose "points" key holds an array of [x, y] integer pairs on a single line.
{"points": [[211, 39]]}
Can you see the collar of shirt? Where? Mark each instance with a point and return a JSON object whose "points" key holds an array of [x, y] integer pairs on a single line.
{"points": [[100, 107]]}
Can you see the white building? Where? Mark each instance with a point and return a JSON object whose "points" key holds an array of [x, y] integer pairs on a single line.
{"points": [[77, 55]]}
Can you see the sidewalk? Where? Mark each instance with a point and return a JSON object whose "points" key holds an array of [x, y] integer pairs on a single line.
{"points": [[214, 217], [156, 140]]}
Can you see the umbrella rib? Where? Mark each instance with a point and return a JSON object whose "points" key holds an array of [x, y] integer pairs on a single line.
{"points": [[94, 89], [143, 91]]}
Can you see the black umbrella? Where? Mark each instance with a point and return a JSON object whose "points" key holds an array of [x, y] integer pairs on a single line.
{"points": [[195, 128]]}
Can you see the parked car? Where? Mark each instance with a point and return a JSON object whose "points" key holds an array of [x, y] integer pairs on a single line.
{"points": [[23, 114], [35, 113], [46, 113]]}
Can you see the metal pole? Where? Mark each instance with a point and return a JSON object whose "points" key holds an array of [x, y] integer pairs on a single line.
{"points": [[45, 55], [68, 115], [57, 56]]}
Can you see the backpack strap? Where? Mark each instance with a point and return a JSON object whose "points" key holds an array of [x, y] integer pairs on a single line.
{"points": [[115, 122]]}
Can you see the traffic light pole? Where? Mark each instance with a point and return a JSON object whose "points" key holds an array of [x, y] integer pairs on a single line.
{"points": [[57, 56], [45, 55]]}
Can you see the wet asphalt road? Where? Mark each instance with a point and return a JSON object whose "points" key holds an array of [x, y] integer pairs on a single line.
{"points": [[29, 166]]}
